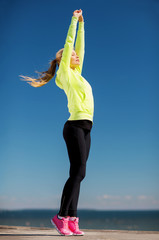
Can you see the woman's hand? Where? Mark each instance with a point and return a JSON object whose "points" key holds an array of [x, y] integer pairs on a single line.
{"points": [[77, 13], [80, 19]]}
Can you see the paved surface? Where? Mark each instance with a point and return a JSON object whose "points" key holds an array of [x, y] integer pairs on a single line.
{"points": [[35, 233]]}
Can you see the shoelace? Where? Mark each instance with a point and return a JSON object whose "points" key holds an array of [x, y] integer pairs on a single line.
{"points": [[65, 223]]}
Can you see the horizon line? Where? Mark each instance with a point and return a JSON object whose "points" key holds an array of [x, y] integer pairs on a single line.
{"points": [[80, 209]]}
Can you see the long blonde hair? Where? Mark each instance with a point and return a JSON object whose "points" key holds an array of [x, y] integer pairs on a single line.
{"points": [[45, 76]]}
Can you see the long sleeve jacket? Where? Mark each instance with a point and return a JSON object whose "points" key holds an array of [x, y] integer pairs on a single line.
{"points": [[77, 89]]}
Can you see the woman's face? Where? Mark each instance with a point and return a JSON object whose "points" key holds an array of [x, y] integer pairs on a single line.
{"points": [[74, 62]]}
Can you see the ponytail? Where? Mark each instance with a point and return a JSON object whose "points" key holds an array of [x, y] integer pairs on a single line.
{"points": [[44, 77]]}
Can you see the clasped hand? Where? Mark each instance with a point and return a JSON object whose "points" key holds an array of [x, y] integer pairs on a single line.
{"points": [[77, 13]]}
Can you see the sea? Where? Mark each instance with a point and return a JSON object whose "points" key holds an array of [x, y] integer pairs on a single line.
{"points": [[139, 220]]}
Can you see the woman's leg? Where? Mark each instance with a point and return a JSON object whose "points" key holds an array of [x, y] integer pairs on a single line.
{"points": [[74, 202], [88, 142], [78, 153]]}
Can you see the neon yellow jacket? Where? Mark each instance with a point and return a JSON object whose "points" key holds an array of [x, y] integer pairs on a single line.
{"points": [[77, 89]]}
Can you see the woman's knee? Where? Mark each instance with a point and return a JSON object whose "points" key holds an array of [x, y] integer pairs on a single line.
{"points": [[80, 173]]}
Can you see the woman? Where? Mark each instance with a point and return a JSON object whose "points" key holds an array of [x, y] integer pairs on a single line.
{"points": [[76, 131]]}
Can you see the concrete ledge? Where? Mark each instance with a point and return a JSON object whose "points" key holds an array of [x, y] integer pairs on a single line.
{"points": [[42, 233]]}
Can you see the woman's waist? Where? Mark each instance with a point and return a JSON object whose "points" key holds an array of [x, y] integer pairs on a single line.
{"points": [[83, 123]]}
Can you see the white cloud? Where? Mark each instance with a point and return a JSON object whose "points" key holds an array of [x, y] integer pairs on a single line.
{"points": [[7, 202], [128, 197], [144, 197], [105, 201], [105, 196]]}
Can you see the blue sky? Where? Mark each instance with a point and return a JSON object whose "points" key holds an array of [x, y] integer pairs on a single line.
{"points": [[121, 64]]}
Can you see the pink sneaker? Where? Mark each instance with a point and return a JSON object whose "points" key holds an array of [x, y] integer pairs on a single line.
{"points": [[73, 226], [61, 225]]}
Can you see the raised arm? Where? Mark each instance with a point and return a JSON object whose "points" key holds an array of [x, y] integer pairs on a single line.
{"points": [[69, 43], [80, 42]]}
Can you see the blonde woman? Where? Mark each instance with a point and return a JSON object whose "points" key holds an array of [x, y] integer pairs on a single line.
{"points": [[77, 129]]}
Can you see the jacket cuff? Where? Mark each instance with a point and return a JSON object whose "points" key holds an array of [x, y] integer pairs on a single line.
{"points": [[74, 19]]}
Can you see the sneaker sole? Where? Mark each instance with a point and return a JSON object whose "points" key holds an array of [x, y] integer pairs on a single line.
{"points": [[78, 234], [59, 230]]}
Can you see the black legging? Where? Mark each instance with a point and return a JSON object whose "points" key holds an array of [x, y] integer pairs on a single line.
{"points": [[78, 142]]}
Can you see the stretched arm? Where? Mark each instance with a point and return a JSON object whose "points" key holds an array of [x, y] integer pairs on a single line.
{"points": [[68, 47], [80, 43]]}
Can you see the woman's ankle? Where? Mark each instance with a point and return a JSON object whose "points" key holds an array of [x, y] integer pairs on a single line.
{"points": [[60, 217]]}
